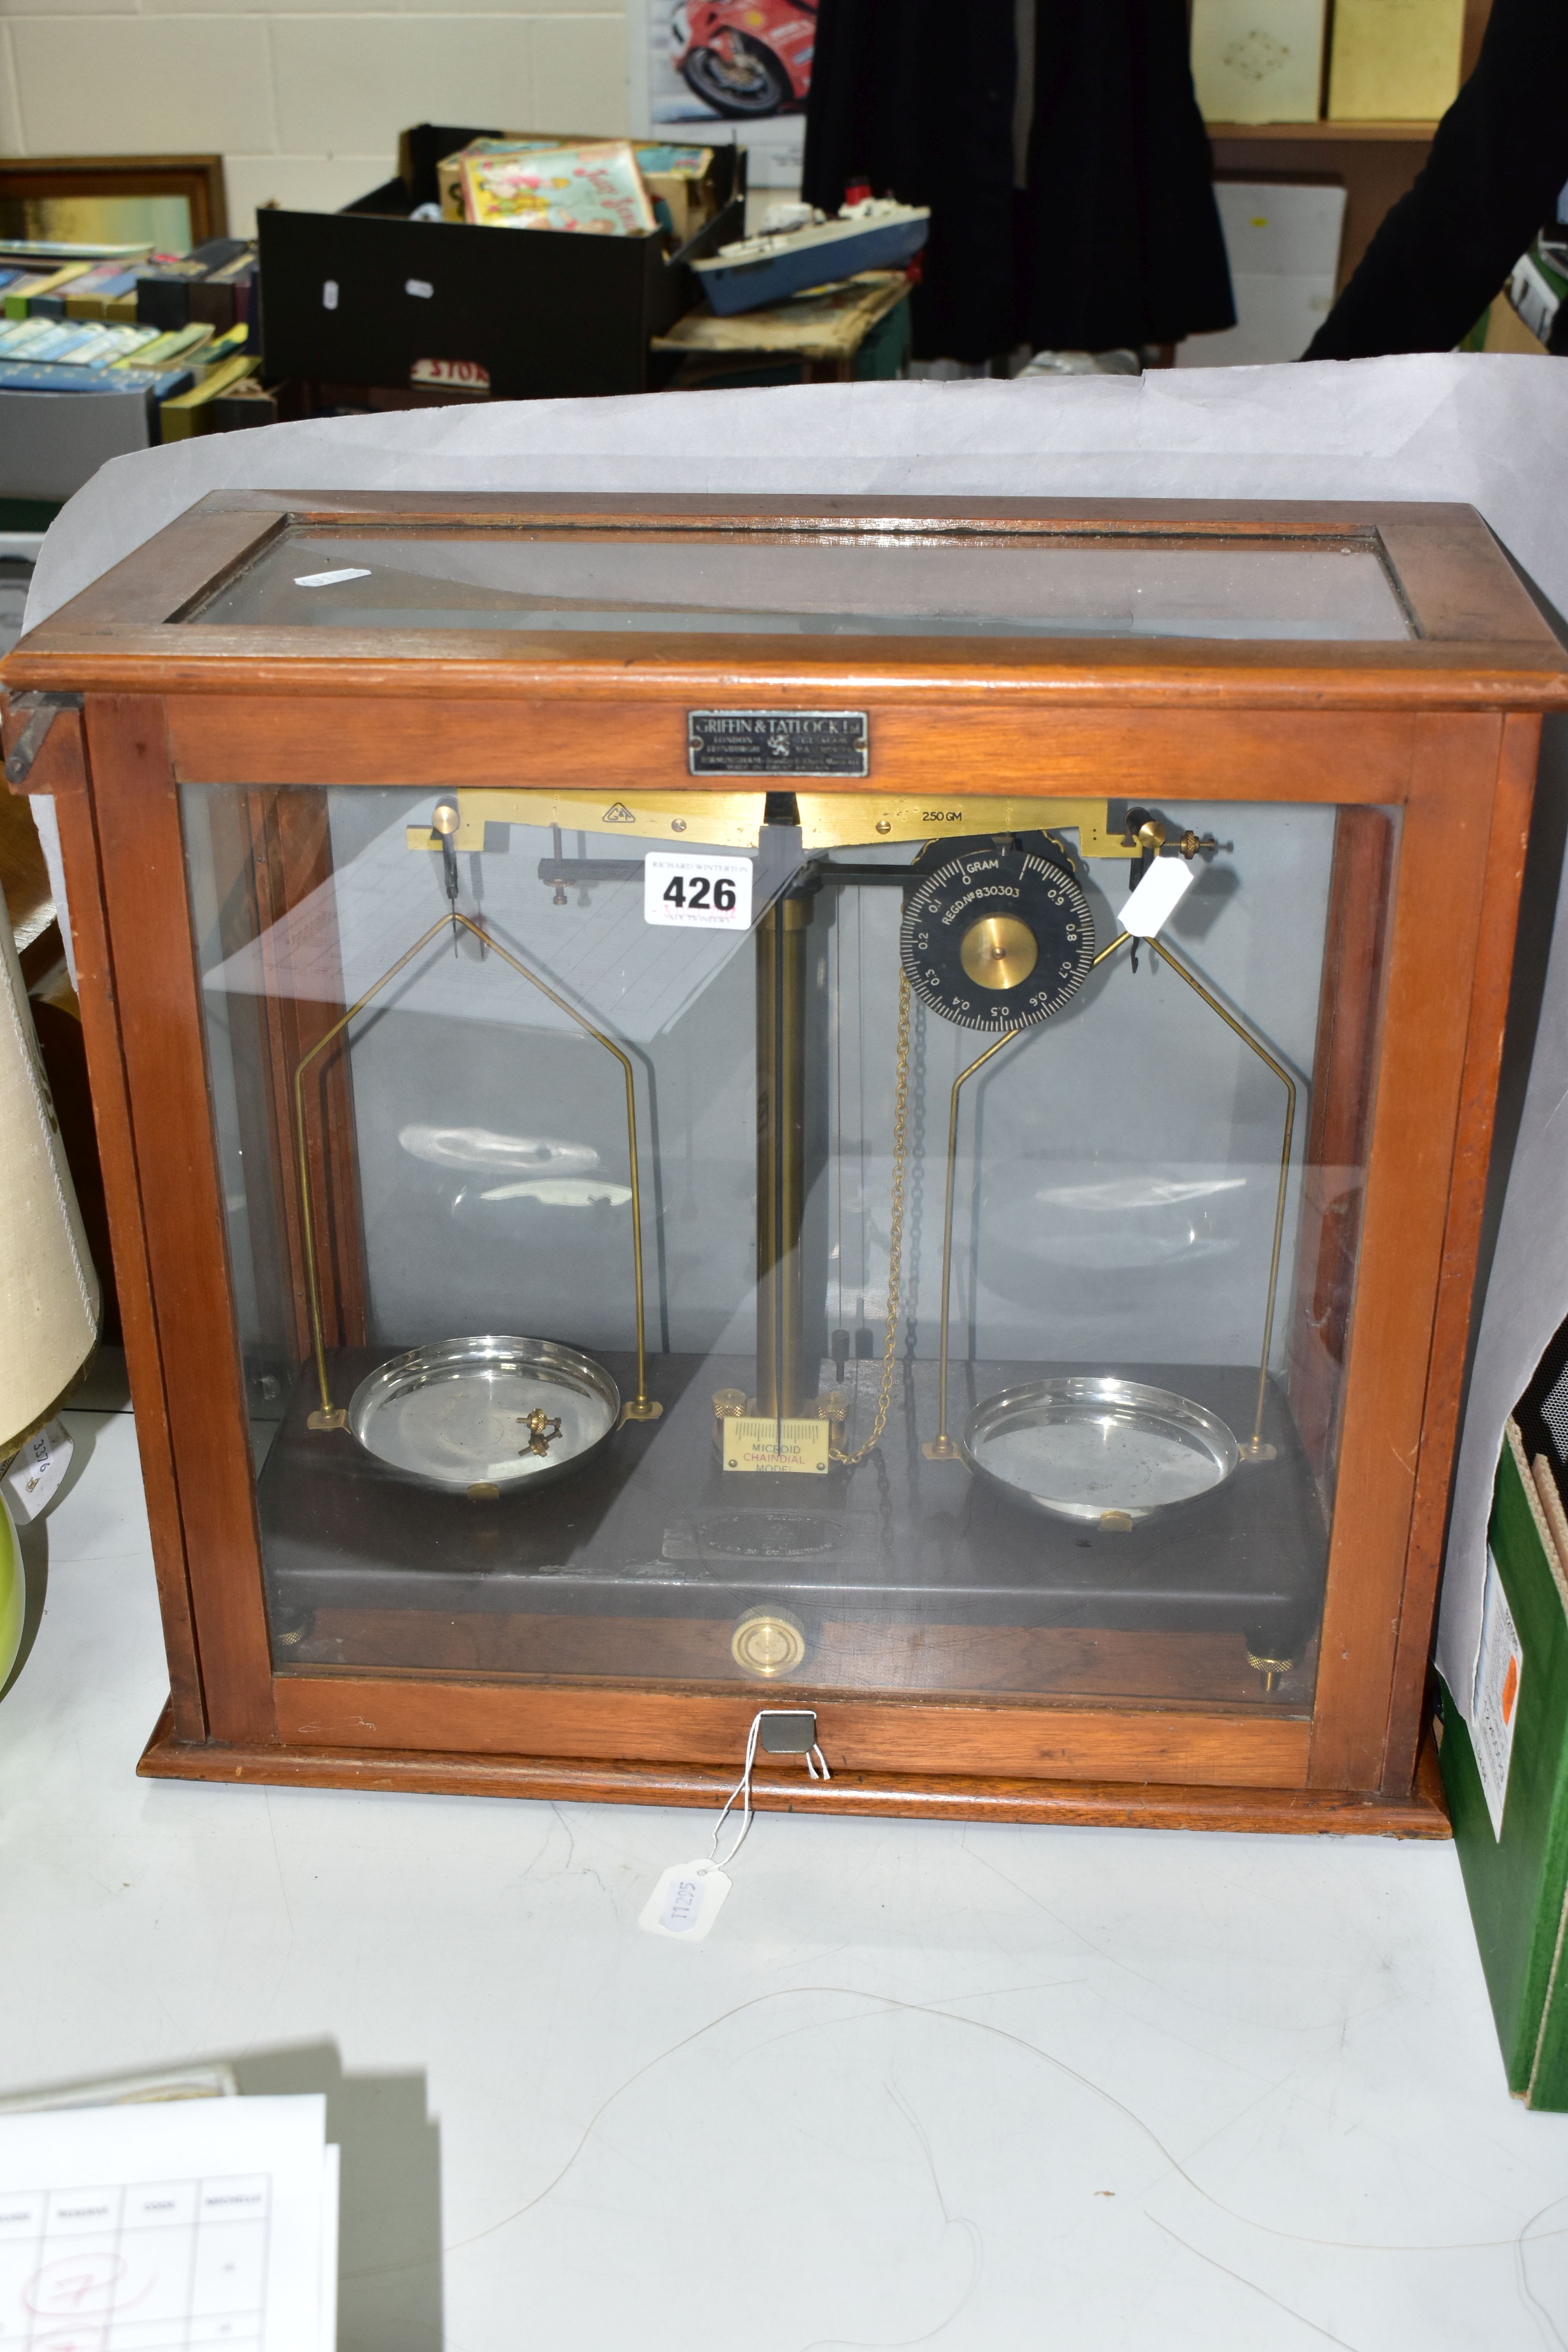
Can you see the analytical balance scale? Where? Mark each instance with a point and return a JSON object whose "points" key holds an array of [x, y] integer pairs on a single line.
{"points": [[996, 937]]}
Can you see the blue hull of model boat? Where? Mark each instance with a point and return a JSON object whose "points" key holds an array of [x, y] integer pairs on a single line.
{"points": [[750, 285]]}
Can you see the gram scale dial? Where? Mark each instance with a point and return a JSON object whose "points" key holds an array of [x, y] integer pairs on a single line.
{"points": [[996, 937]]}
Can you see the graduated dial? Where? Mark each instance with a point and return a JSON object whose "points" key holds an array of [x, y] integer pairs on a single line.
{"points": [[996, 937]]}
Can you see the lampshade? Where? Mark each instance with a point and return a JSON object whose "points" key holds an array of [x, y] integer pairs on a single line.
{"points": [[50, 1298]]}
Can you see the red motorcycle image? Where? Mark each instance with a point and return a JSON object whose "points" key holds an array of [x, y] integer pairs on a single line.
{"points": [[746, 57]]}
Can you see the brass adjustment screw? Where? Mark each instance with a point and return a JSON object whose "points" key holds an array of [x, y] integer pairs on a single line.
{"points": [[1271, 1669]]}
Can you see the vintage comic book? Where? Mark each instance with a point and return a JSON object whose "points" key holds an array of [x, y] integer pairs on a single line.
{"points": [[596, 189]]}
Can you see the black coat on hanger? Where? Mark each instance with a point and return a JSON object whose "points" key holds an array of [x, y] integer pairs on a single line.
{"points": [[1116, 239]]}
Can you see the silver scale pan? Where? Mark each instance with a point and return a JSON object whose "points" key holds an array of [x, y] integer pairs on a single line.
{"points": [[1101, 1451], [489, 1414]]}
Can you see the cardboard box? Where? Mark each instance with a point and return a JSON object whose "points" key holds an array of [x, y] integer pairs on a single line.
{"points": [[1506, 331]]}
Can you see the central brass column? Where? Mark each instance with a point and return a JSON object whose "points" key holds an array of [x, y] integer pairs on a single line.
{"points": [[782, 1387]]}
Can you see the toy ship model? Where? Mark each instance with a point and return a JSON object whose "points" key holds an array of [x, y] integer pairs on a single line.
{"points": [[799, 249]]}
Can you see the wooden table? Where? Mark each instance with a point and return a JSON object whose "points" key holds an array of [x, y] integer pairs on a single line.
{"points": [[859, 328]]}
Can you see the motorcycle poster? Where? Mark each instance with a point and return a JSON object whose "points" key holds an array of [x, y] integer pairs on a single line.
{"points": [[713, 70]]}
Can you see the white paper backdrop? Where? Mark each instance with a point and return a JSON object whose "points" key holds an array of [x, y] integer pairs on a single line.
{"points": [[1488, 429]]}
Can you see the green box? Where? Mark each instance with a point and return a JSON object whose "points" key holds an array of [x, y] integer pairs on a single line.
{"points": [[1517, 1881]]}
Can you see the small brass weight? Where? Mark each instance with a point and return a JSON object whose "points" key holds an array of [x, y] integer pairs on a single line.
{"points": [[541, 1429]]}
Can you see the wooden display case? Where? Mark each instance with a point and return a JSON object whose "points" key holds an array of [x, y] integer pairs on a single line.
{"points": [[355, 919]]}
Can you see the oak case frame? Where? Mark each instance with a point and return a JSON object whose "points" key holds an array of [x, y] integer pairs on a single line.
{"points": [[1443, 727]]}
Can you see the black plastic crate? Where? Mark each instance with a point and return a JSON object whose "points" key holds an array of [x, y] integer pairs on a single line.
{"points": [[363, 296]]}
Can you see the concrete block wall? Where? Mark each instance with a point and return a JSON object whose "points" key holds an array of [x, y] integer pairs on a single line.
{"points": [[303, 102]]}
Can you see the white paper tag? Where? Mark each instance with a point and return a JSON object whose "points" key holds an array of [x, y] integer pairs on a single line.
{"points": [[330, 579], [33, 1478], [697, 893], [328, 293], [686, 1902], [420, 288], [1498, 1672], [1157, 896]]}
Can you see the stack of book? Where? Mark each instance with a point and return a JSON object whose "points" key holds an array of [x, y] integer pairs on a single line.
{"points": [[213, 286], [75, 291], [219, 366], [42, 337], [35, 283], [175, 329]]}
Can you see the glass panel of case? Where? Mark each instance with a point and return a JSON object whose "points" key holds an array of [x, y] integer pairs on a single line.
{"points": [[898, 1278], [925, 584]]}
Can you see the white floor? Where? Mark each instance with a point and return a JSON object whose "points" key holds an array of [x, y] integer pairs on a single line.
{"points": [[981, 2088]]}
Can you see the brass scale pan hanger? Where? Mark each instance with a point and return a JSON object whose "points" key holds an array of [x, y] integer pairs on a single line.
{"points": [[491, 1414], [996, 936]]}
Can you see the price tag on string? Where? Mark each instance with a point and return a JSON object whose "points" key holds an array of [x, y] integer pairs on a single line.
{"points": [[34, 1476], [686, 1902], [691, 892], [689, 1894]]}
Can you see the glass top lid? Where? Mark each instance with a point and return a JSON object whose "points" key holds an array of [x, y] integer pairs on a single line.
{"points": [[729, 584]]}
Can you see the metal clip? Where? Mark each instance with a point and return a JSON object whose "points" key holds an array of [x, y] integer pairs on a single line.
{"points": [[41, 712]]}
